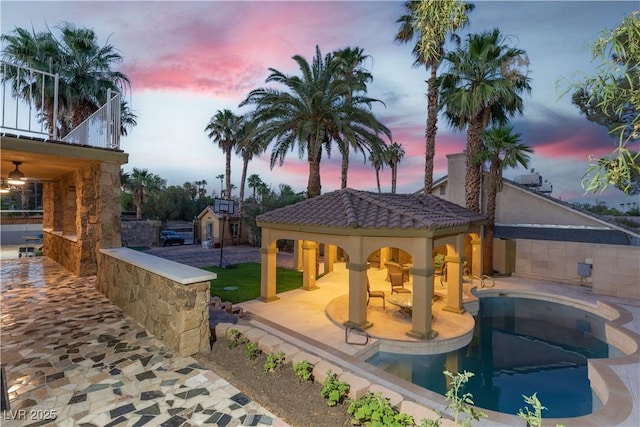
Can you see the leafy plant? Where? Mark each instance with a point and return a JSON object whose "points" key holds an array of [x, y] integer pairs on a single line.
{"points": [[425, 422], [461, 404], [251, 350], [533, 419], [303, 370], [334, 390], [235, 338], [273, 362], [375, 409]]}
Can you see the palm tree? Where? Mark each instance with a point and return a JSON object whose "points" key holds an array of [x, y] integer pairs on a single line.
{"points": [[143, 183], [484, 84], [247, 147], [223, 128], [501, 149], [394, 154], [378, 162], [202, 188], [221, 178], [350, 70], [127, 118], [84, 68], [254, 182], [311, 113], [430, 22]]}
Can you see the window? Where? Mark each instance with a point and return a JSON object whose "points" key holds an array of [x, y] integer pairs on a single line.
{"points": [[235, 228], [443, 189]]}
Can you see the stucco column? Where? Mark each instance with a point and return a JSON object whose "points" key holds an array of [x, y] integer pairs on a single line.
{"points": [[454, 284], [268, 273], [384, 257], [476, 257], [297, 255], [358, 296], [421, 321], [330, 256], [309, 249]]}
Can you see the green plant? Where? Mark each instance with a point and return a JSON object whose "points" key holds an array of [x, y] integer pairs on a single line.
{"points": [[533, 419], [235, 338], [303, 370], [425, 422], [461, 404], [375, 409], [334, 390], [273, 362], [251, 350]]}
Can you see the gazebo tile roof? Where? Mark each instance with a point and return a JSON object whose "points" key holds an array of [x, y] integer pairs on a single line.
{"points": [[348, 208]]}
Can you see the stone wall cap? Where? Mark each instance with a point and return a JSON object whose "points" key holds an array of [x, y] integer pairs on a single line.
{"points": [[180, 273]]}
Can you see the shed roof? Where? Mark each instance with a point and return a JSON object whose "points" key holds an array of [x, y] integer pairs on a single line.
{"points": [[349, 208]]}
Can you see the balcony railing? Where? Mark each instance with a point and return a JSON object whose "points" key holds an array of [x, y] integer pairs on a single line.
{"points": [[26, 94], [102, 128], [30, 105]]}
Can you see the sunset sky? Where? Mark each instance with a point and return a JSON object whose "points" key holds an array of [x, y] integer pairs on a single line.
{"points": [[186, 60]]}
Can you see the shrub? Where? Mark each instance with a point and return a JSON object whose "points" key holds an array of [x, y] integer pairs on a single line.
{"points": [[533, 419], [235, 338], [375, 409], [273, 362], [251, 350], [461, 404], [334, 390], [303, 370]]}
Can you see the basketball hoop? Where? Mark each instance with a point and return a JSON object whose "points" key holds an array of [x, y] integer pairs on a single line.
{"points": [[224, 207]]}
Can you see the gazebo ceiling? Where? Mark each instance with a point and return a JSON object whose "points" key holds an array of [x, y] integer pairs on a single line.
{"points": [[354, 209]]}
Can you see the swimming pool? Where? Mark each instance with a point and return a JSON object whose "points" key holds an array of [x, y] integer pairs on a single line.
{"points": [[520, 346]]}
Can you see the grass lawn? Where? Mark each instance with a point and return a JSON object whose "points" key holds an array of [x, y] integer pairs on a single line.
{"points": [[246, 277]]}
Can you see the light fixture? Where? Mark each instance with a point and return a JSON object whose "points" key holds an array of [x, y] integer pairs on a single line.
{"points": [[16, 177]]}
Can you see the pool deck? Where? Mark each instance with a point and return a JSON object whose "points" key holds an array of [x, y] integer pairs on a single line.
{"points": [[66, 347]]}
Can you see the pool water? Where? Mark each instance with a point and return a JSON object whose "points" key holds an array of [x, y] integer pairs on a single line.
{"points": [[543, 349]]}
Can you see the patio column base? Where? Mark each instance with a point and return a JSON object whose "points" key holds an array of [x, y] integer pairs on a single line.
{"points": [[453, 309], [310, 288], [421, 336], [271, 299]]}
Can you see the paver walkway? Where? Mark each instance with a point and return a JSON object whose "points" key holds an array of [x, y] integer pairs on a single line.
{"points": [[72, 358]]}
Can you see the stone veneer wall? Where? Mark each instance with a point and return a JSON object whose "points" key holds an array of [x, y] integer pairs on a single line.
{"points": [[81, 216], [615, 272], [175, 313]]}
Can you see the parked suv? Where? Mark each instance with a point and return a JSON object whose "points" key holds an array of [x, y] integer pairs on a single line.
{"points": [[170, 237]]}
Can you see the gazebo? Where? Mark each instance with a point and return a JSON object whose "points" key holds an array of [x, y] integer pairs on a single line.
{"points": [[362, 223]]}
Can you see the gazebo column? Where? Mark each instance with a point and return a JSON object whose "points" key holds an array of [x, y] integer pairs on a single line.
{"points": [[268, 273], [297, 255], [476, 258], [454, 284], [358, 296], [384, 257], [330, 256], [309, 249], [421, 321]]}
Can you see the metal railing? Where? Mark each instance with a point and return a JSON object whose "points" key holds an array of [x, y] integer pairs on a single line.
{"points": [[28, 89], [102, 128]]}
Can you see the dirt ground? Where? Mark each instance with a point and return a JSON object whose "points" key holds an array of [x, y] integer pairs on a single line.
{"points": [[281, 392]]}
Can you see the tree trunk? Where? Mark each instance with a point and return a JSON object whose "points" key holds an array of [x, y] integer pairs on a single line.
{"points": [[394, 175], [473, 176], [245, 165], [378, 179], [313, 185], [345, 167], [138, 200], [432, 129], [492, 192], [227, 173]]}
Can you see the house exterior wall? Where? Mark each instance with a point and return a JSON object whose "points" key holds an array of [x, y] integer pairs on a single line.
{"points": [[208, 217], [616, 271]]}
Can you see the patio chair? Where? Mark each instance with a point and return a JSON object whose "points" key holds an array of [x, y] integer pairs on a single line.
{"points": [[375, 294], [397, 284]]}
